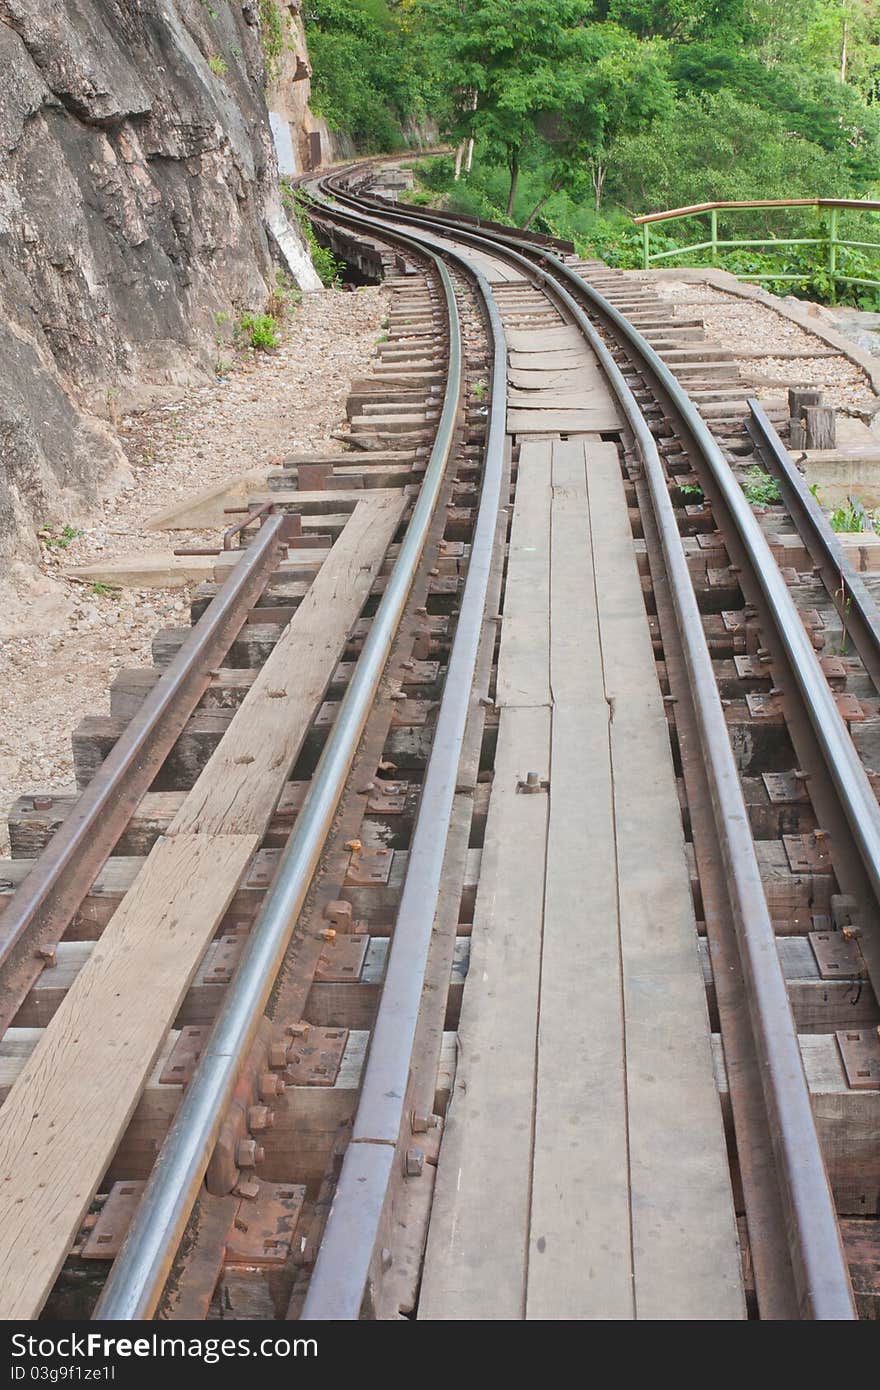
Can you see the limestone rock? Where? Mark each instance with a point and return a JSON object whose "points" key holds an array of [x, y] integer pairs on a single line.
{"points": [[138, 199]]}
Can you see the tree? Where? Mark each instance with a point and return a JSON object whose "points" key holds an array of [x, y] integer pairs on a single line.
{"points": [[500, 60], [609, 86], [679, 20]]}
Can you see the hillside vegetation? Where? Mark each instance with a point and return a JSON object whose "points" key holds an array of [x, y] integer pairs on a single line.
{"points": [[582, 114]]}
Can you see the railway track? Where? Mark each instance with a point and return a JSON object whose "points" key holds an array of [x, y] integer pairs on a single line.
{"points": [[249, 931]]}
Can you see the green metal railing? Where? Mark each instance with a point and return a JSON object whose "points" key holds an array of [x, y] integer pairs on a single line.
{"points": [[832, 241]]}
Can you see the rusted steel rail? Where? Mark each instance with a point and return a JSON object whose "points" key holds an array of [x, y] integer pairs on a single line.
{"points": [[350, 1257], [796, 1247], [814, 1261], [141, 1269], [845, 586], [45, 904]]}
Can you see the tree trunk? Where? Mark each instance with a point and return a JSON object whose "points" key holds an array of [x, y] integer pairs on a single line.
{"points": [[598, 173], [470, 142], [554, 188], [843, 50], [513, 165], [459, 155]]}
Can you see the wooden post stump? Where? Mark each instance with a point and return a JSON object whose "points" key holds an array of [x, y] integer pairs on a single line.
{"points": [[820, 422]]}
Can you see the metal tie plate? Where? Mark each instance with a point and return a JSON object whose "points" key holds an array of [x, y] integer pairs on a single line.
{"points": [[783, 787], [342, 959], [106, 1236], [837, 956], [315, 1059], [369, 867], [184, 1056], [860, 1054], [263, 1228]]}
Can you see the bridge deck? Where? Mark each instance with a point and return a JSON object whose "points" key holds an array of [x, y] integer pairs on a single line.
{"points": [[583, 1172]]}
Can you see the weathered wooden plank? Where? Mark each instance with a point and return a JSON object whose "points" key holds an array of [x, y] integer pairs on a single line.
{"points": [[475, 1265], [536, 379], [240, 787], [685, 1256], [546, 339], [476, 1258], [70, 1106], [569, 398], [580, 1247], [589, 419], [562, 360], [524, 658]]}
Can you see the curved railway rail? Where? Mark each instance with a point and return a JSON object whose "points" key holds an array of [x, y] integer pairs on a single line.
{"points": [[765, 726]]}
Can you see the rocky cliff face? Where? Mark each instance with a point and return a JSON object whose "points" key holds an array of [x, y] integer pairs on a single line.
{"points": [[138, 199]]}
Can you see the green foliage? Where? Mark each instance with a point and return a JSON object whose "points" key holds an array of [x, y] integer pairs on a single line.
{"points": [[283, 298], [371, 71], [57, 540], [586, 112], [260, 331], [852, 516], [273, 33], [760, 489], [327, 267], [217, 65]]}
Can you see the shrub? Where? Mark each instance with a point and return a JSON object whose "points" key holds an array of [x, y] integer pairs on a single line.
{"points": [[272, 35], [260, 331], [760, 489]]}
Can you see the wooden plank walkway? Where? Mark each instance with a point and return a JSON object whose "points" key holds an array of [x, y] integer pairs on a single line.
{"points": [[69, 1107], [555, 385], [583, 1171]]}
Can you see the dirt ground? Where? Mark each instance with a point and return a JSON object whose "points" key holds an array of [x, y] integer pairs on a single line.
{"points": [[62, 642]]}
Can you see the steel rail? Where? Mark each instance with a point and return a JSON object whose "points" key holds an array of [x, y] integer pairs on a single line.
{"points": [[853, 787], [349, 1253], [140, 1271], [47, 900], [857, 797], [846, 588], [823, 1285]]}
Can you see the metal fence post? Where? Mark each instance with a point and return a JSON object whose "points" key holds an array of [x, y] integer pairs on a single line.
{"points": [[646, 236], [832, 242], [713, 218]]}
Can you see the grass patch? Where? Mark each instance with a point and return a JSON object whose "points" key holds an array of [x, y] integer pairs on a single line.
{"points": [[259, 331], [760, 489], [852, 515], [57, 540], [283, 298]]}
